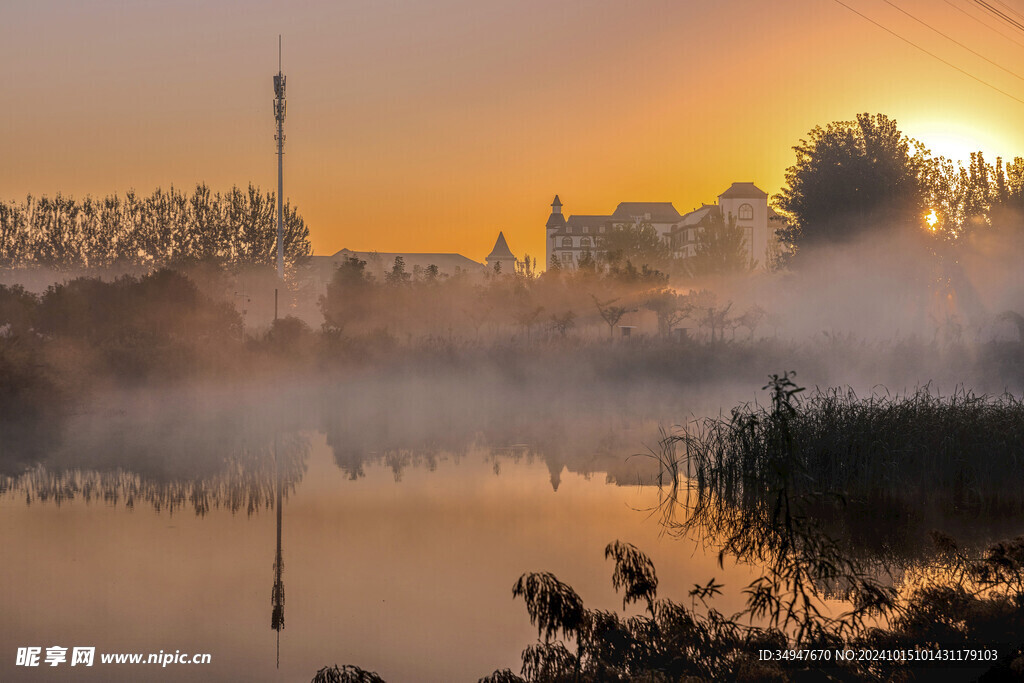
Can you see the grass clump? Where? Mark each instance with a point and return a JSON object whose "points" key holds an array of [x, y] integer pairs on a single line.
{"points": [[877, 472]]}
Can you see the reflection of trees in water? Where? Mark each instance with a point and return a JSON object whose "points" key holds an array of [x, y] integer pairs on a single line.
{"points": [[235, 480], [419, 427], [204, 450]]}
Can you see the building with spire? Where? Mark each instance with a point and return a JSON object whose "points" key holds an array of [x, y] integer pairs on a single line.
{"points": [[501, 259], [569, 239]]}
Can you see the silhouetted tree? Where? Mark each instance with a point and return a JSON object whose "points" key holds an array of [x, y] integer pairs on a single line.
{"points": [[563, 323], [587, 264], [637, 243], [345, 674], [720, 249], [752, 319], [669, 308], [974, 197], [17, 310], [349, 295], [239, 227], [609, 313], [527, 316], [630, 274], [851, 177], [527, 268], [397, 276], [159, 323]]}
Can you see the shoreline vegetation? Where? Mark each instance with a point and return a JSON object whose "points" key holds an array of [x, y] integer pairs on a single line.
{"points": [[760, 485]]}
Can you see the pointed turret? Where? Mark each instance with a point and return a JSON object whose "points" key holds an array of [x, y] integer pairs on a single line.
{"points": [[553, 229], [502, 255], [556, 219]]}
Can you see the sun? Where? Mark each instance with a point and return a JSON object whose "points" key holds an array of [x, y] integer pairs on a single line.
{"points": [[932, 219]]}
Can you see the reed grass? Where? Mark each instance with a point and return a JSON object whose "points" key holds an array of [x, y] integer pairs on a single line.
{"points": [[962, 450]]}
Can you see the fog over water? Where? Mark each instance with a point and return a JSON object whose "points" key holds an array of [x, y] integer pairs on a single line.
{"points": [[422, 473]]}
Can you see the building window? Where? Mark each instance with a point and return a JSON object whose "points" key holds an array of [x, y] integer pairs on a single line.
{"points": [[567, 242], [566, 257], [748, 235], [568, 229], [586, 229], [585, 243], [600, 241], [746, 212], [601, 229]]}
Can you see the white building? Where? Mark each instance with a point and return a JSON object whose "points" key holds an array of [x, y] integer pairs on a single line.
{"points": [[321, 269], [568, 239]]}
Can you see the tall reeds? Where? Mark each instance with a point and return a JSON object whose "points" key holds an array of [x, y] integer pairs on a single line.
{"points": [[962, 450]]}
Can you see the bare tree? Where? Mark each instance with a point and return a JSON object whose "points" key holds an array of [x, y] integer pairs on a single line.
{"points": [[563, 323], [670, 308], [611, 314]]}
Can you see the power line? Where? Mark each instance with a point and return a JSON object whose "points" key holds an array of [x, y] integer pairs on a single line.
{"points": [[953, 40], [931, 54], [1006, 18], [1012, 11], [986, 25]]}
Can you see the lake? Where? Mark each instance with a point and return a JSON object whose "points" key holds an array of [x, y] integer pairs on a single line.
{"points": [[409, 506], [149, 524]]}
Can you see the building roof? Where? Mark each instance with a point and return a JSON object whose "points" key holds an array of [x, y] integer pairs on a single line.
{"points": [[661, 212], [378, 261], [557, 202], [555, 220], [588, 221], [743, 191], [696, 216], [501, 250]]}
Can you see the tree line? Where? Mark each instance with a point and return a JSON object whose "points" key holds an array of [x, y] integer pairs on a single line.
{"points": [[237, 227], [865, 176], [431, 303]]}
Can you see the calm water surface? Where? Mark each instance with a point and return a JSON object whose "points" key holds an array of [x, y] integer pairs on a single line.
{"points": [[141, 535], [150, 522]]}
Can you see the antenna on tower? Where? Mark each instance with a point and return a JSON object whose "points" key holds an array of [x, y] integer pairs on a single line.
{"points": [[280, 108]]}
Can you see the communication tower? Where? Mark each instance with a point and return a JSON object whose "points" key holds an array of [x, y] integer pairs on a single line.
{"points": [[280, 107]]}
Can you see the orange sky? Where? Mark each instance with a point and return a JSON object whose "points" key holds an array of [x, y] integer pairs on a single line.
{"points": [[430, 126]]}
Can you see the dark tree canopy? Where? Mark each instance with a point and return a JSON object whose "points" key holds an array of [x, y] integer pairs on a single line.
{"points": [[852, 177], [636, 243], [350, 295]]}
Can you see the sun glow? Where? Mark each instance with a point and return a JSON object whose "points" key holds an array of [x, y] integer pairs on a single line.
{"points": [[955, 141], [932, 219]]}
